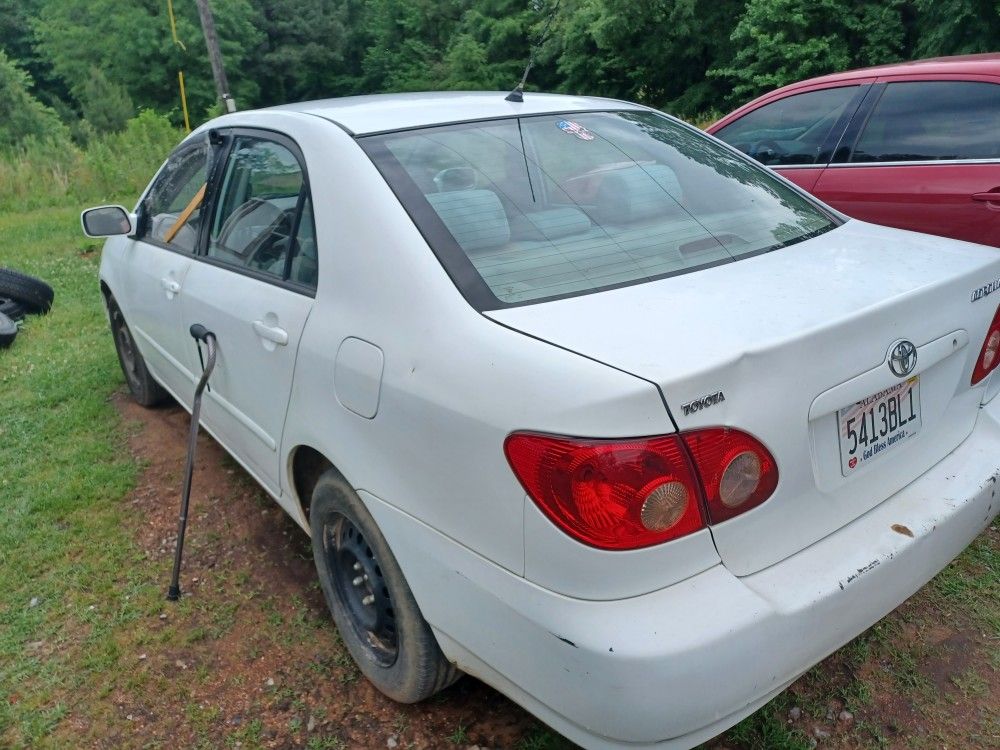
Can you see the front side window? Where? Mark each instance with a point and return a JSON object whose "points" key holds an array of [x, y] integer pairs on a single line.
{"points": [[931, 121], [521, 210], [171, 210], [791, 130], [263, 215]]}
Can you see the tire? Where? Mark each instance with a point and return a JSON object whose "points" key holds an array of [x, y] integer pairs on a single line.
{"points": [[388, 638], [34, 294], [12, 309], [144, 389], [8, 331]]}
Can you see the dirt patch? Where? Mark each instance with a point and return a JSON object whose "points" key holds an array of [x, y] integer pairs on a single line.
{"points": [[249, 657]]}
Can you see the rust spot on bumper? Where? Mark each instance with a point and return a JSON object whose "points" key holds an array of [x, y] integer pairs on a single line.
{"points": [[900, 529]]}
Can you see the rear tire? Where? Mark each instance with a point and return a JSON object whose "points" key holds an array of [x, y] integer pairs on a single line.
{"points": [[145, 390], [34, 294], [371, 603]]}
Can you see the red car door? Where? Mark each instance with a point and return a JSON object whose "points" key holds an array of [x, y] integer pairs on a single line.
{"points": [[924, 156]]}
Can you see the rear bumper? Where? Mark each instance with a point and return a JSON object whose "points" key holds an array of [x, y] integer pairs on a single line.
{"points": [[674, 667]]}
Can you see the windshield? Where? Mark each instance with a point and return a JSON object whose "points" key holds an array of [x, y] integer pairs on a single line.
{"points": [[527, 209]]}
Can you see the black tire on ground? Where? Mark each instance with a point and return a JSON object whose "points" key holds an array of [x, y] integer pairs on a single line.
{"points": [[371, 603], [8, 331], [144, 389], [12, 309], [33, 293]]}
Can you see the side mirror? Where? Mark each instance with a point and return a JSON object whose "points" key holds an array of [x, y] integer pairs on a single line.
{"points": [[107, 221]]}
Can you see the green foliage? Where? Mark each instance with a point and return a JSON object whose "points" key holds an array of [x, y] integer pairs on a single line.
{"points": [[301, 49], [94, 62], [132, 45], [781, 41], [112, 167], [21, 114], [957, 27], [653, 51], [106, 106]]}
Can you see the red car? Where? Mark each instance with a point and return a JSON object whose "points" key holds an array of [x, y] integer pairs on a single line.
{"points": [[913, 145]]}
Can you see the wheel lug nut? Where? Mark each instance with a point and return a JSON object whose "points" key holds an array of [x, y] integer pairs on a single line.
{"points": [[357, 567], [358, 581], [368, 600]]}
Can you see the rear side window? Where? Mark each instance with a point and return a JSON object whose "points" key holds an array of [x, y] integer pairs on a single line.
{"points": [[263, 217], [792, 130], [521, 210], [931, 121]]}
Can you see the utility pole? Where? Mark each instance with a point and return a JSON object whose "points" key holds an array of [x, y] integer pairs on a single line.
{"points": [[215, 55]]}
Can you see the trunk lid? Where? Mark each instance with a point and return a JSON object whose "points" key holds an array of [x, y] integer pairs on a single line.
{"points": [[789, 338]]}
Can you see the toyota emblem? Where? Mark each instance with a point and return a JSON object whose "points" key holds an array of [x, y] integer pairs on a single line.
{"points": [[902, 358]]}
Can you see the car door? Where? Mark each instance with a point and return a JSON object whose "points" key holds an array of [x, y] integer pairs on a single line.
{"points": [[927, 158], [795, 133], [253, 287], [157, 261]]}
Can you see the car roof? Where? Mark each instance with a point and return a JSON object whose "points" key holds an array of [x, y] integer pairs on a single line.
{"points": [[988, 62], [364, 115]]}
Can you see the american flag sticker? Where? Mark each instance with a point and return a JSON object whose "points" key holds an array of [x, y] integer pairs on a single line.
{"points": [[575, 128]]}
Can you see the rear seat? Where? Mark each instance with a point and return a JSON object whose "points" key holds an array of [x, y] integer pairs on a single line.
{"points": [[560, 250]]}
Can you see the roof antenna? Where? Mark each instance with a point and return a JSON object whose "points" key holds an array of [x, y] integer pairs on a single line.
{"points": [[517, 95]]}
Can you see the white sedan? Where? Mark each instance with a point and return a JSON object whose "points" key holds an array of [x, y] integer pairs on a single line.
{"points": [[570, 396]]}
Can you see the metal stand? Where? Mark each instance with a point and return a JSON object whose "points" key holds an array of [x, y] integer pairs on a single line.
{"points": [[200, 334]]}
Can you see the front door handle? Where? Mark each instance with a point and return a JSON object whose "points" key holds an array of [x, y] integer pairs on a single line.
{"points": [[274, 334], [991, 197]]}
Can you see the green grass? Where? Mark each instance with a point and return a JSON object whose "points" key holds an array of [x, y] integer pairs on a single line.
{"points": [[65, 469]]}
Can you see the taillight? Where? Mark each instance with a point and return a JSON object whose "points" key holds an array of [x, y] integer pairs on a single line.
{"points": [[612, 494], [989, 357], [737, 472], [627, 494]]}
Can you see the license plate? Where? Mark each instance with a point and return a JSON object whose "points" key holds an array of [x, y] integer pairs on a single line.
{"points": [[873, 426]]}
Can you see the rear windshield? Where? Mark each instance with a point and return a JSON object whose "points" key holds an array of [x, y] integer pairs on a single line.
{"points": [[527, 209]]}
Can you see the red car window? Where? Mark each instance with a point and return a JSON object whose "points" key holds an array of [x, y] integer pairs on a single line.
{"points": [[791, 130], [933, 121]]}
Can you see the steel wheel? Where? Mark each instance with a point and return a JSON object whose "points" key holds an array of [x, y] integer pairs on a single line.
{"points": [[143, 387], [126, 349], [378, 618], [362, 589]]}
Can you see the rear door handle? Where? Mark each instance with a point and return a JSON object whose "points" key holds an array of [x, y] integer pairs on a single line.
{"points": [[170, 286], [271, 333], [990, 197]]}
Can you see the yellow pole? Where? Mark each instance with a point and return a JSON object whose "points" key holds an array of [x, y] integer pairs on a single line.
{"points": [[180, 73], [173, 25], [184, 101]]}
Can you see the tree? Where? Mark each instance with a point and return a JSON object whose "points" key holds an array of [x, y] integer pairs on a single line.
{"points": [[132, 45], [777, 42], [22, 116], [652, 51], [301, 50], [105, 105], [957, 27]]}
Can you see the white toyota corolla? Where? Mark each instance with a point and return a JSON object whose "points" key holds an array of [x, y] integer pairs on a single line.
{"points": [[570, 396]]}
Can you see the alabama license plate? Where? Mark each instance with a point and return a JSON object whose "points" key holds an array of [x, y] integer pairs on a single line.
{"points": [[873, 426]]}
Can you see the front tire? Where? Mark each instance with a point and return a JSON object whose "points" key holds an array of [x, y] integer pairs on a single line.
{"points": [[371, 603], [143, 388]]}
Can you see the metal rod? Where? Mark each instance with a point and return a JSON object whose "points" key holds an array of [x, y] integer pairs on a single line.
{"points": [[200, 334]]}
